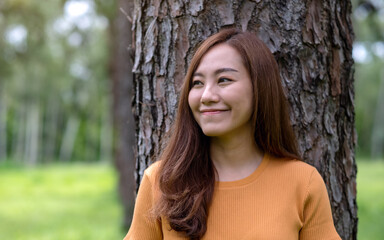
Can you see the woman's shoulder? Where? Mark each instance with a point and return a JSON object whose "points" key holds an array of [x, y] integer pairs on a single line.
{"points": [[152, 171], [295, 174], [292, 167]]}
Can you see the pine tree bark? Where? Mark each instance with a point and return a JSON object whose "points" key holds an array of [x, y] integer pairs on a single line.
{"points": [[312, 43]]}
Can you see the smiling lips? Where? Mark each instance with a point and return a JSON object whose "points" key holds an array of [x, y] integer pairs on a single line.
{"points": [[212, 111]]}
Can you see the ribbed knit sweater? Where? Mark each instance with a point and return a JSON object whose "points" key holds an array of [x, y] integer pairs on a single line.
{"points": [[281, 200]]}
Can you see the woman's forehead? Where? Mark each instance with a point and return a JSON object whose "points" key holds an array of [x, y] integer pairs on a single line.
{"points": [[220, 58]]}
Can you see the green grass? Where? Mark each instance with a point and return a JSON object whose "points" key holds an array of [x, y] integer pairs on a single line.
{"points": [[370, 200], [61, 202], [79, 201]]}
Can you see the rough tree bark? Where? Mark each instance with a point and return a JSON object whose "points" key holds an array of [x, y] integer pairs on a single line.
{"points": [[123, 121], [312, 43]]}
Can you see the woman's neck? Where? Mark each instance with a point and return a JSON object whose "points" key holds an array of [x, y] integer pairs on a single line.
{"points": [[235, 158]]}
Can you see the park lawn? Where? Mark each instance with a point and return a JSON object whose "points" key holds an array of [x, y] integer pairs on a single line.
{"points": [[79, 201], [370, 199], [61, 202]]}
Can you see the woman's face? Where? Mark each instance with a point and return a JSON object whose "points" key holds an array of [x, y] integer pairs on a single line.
{"points": [[221, 97]]}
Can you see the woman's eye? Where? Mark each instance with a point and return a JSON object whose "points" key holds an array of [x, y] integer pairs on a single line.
{"points": [[196, 83], [224, 80]]}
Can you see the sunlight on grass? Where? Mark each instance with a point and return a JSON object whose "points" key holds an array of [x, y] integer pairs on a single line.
{"points": [[370, 199], [79, 201], [61, 202]]}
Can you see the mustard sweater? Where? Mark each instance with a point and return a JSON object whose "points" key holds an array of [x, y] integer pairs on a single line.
{"points": [[281, 200]]}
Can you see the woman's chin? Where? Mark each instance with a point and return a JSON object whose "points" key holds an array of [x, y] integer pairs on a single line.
{"points": [[212, 133]]}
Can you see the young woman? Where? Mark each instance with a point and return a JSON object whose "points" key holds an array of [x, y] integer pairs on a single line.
{"points": [[229, 170]]}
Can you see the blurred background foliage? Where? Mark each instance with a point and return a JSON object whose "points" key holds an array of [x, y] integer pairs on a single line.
{"points": [[54, 84], [368, 52], [55, 106]]}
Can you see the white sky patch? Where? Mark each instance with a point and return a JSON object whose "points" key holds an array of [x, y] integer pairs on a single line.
{"points": [[76, 9], [360, 13], [378, 49], [378, 3], [84, 22], [77, 69], [101, 22], [381, 14], [75, 39], [360, 53], [16, 35], [62, 25], [77, 13]]}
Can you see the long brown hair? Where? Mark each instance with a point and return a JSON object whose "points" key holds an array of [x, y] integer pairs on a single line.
{"points": [[186, 174]]}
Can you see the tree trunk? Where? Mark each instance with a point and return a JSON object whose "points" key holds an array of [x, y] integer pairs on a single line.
{"points": [[3, 124], [51, 129], [377, 136], [123, 121], [312, 43], [106, 131], [69, 137], [18, 140], [32, 140]]}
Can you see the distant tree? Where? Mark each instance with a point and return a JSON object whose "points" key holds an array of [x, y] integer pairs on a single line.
{"points": [[123, 121], [312, 43]]}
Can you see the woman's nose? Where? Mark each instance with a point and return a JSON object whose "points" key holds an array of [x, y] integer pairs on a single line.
{"points": [[209, 95]]}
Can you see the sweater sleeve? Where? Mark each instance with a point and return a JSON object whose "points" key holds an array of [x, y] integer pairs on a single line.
{"points": [[318, 222], [144, 226]]}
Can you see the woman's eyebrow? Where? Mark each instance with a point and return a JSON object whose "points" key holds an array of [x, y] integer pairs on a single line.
{"points": [[221, 70], [217, 72]]}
